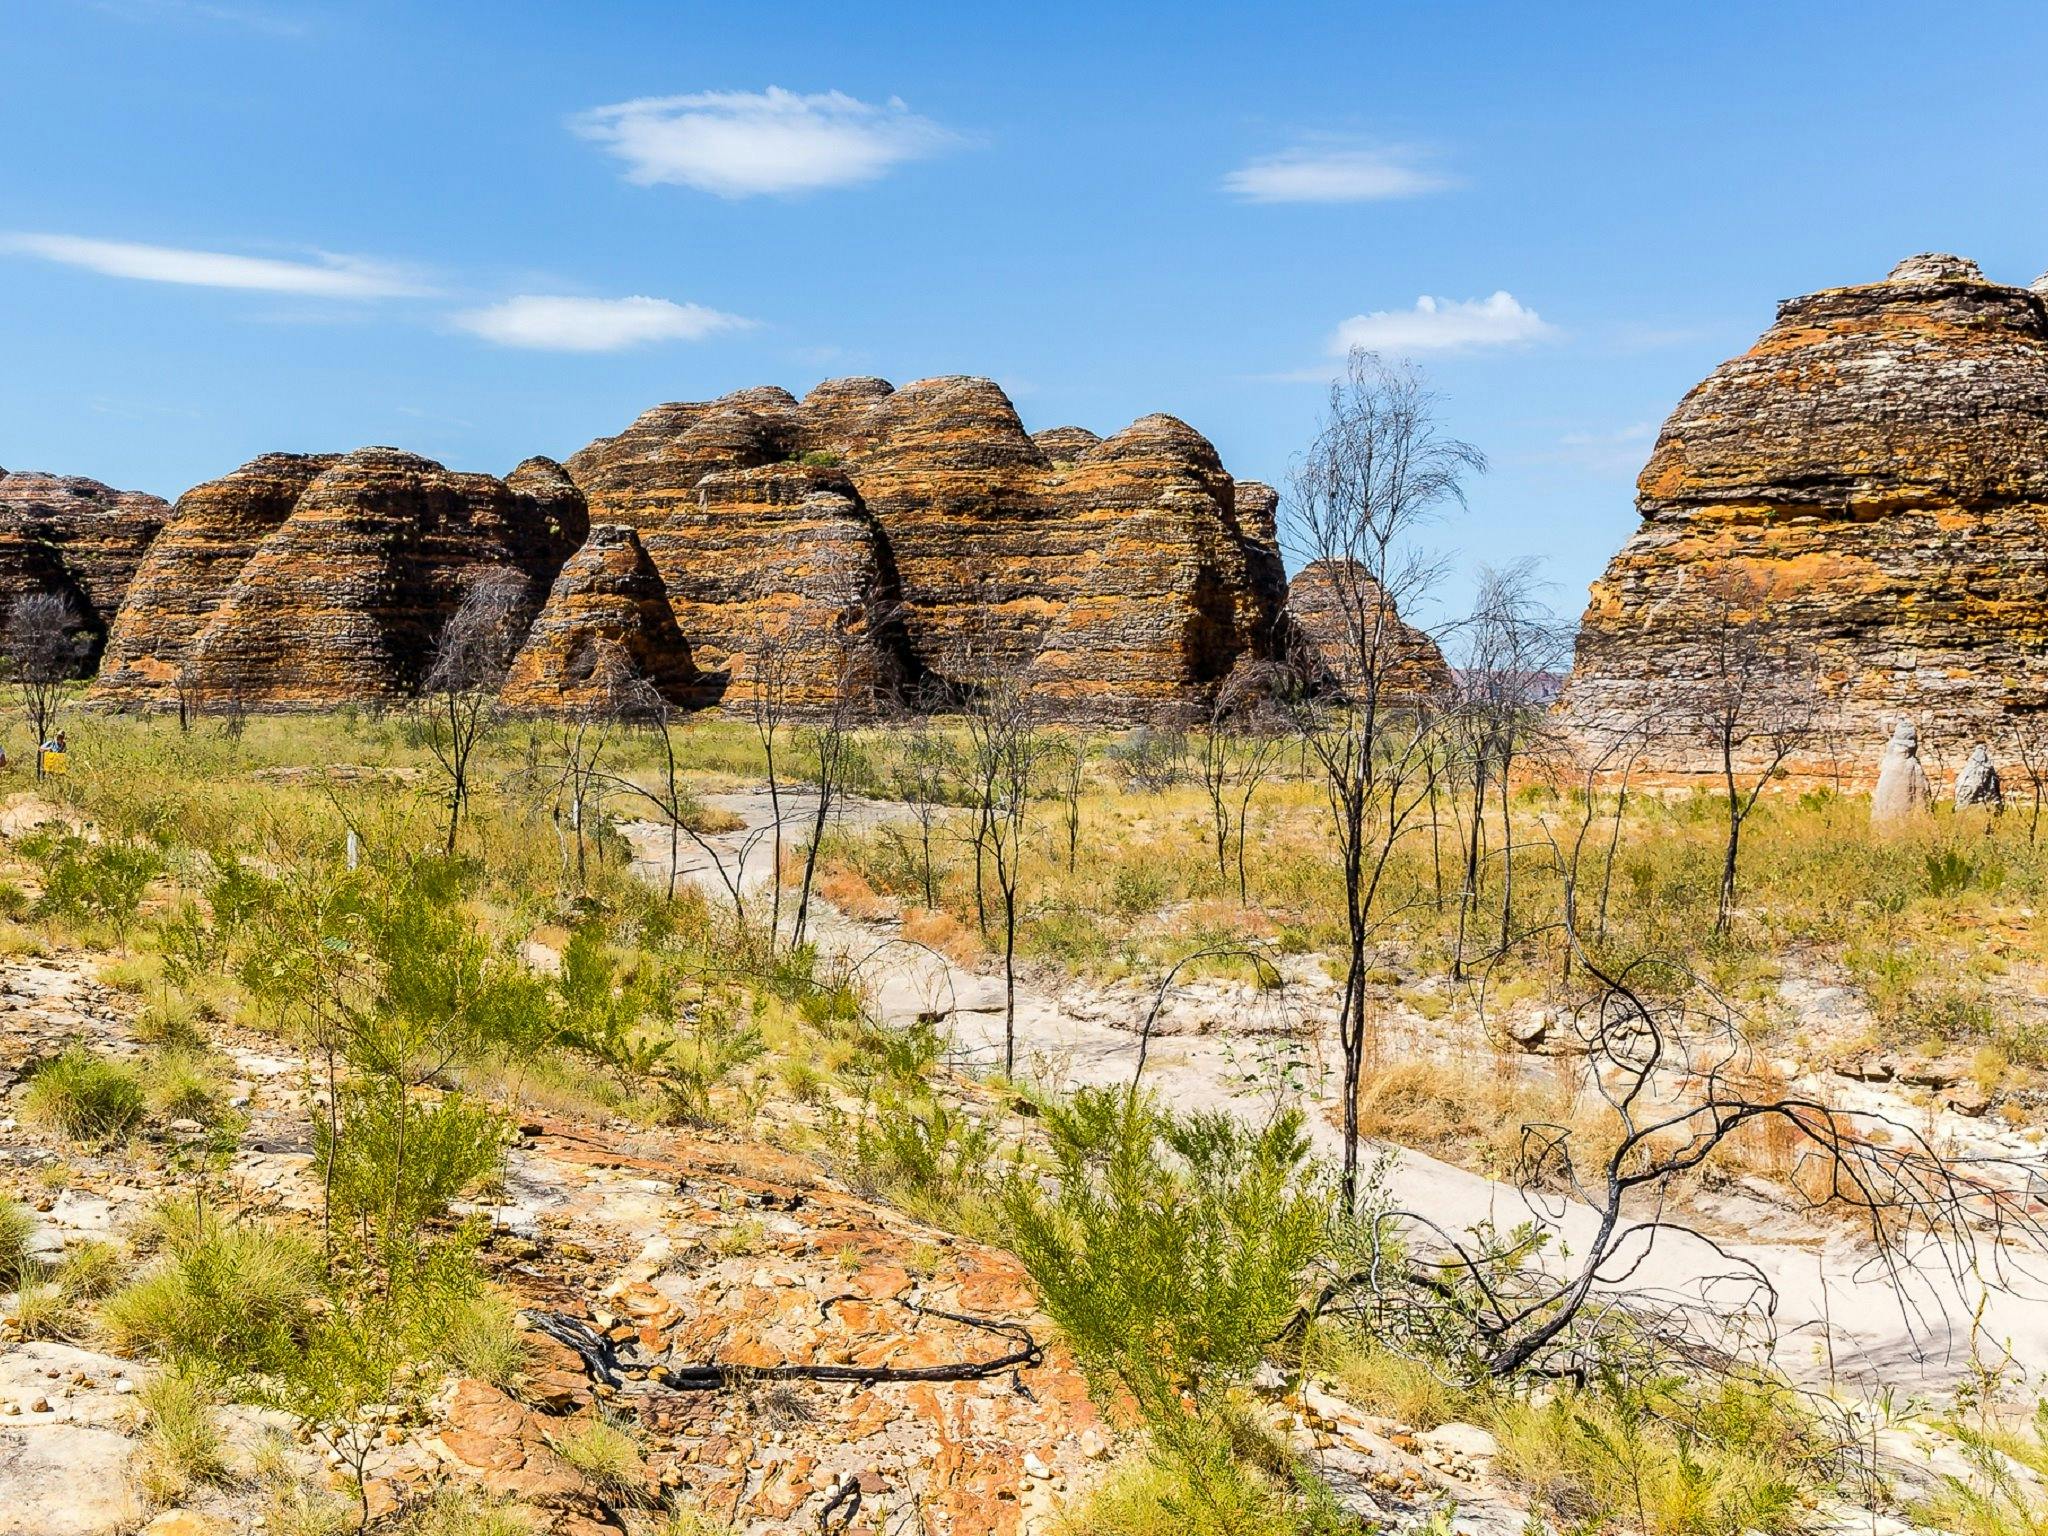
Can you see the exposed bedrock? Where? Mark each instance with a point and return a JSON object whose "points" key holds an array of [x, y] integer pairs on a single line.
{"points": [[1113, 575], [1342, 631], [75, 537], [606, 639], [1868, 485], [889, 545], [310, 581]]}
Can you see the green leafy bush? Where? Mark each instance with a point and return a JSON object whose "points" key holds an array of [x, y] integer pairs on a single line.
{"points": [[91, 882], [1172, 1249], [402, 1164]]}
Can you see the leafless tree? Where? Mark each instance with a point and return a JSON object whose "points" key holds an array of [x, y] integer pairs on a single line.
{"points": [[1377, 470], [1068, 756], [1670, 1060], [772, 678], [1006, 741], [43, 650], [565, 757], [1753, 702], [1515, 647], [2027, 735], [828, 735], [459, 696], [922, 778], [1240, 746]]}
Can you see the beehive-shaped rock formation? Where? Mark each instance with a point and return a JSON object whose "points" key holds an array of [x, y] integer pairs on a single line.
{"points": [[74, 537], [782, 582], [1872, 476], [1113, 575], [606, 637], [1341, 631], [311, 581]]}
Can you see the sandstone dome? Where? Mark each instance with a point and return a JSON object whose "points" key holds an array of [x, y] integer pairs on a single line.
{"points": [[1877, 466]]}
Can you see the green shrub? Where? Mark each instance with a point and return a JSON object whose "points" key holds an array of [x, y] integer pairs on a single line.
{"points": [[401, 1164], [1670, 1458], [85, 1096], [1173, 1248], [17, 1231], [925, 1156], [235, 1295], [92, 882]]}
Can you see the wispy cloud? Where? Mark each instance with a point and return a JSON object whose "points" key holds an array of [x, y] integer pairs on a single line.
{"points": [[756, 143], [1334, 173], [251, 18], [323, 276], [563, 323], [1444, 325]]}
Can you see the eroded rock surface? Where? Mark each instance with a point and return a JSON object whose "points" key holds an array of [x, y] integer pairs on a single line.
{"points": [[1341, 631], [75, 537], [308, 581], [1873, 476], [1116, 577], [606, 624]]}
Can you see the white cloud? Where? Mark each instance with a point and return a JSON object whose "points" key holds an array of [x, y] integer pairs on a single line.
{"points": [[751, 143], [560, 323], [324, 276], [1443, 325], [1308, 174]]}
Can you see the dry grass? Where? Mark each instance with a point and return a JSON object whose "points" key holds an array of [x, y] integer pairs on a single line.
{"points": [[848, 890], [1471, 1112], [941, 931]]}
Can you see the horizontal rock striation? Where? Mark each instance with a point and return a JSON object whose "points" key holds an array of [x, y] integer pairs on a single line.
{"points": [[1342, 633], [74, 537], [867, 544], [1864, 493], [606, 638], [307, 581], [920, 540]]}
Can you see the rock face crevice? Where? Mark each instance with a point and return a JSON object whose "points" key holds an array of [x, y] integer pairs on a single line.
{"points": [[1873, 473]]}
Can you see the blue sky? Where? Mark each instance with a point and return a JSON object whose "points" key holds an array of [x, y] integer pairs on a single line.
{"points": [[484, 230]]}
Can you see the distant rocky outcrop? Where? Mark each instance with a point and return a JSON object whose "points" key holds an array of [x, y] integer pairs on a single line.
{"points": [[888, 546], [605, 631], [923, 536], [305, 581], [1338, 619], [1874, 471], [75, 537]]}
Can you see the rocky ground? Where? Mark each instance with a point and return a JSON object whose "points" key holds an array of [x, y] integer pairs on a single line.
{"points": [[678, 1248], [681, 1247]]}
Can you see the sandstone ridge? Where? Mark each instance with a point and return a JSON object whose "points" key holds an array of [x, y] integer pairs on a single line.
{"points": [[921, 538], [307, 581], [898, 546], [1868, 484]]}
